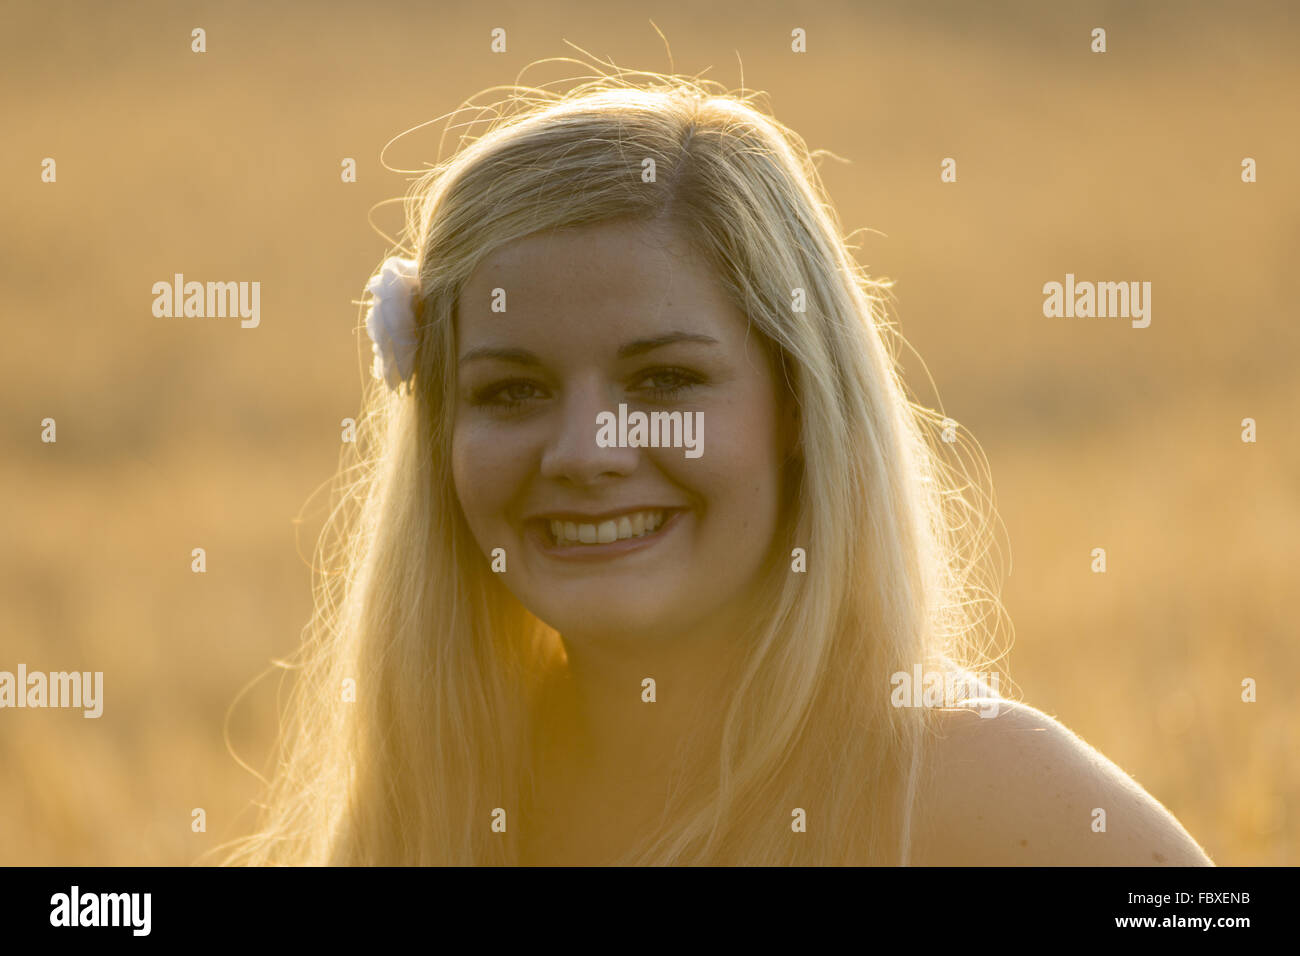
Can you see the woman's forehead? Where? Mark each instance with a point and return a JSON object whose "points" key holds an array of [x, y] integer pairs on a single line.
{"points": [[595, 285]]}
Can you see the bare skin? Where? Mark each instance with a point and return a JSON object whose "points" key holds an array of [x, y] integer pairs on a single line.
{"points": [[1020, 789]]}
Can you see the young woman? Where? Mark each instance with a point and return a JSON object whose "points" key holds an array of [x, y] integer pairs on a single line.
{"points": [[556, 637]]}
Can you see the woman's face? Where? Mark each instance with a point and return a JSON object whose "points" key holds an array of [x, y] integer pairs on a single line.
{"points": [[594, 317]]}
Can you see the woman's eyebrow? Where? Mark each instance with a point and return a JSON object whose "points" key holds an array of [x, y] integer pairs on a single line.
{"points": [[518, 356], [668, 338], [639, 347]]}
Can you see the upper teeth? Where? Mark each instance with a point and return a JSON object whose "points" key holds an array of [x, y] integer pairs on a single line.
{"points": [[634, 524]]}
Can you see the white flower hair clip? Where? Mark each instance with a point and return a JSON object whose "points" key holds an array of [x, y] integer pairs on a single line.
{"points": [[391, 320]]}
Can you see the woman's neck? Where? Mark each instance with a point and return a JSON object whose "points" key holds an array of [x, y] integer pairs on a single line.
{"points": [[612, 748]]}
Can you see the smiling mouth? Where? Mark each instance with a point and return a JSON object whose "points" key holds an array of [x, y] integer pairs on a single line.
{"points": [[626, 527]]}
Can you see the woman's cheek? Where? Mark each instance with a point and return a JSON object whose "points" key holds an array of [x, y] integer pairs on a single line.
{"points": [[481, 466], [474, 471]]}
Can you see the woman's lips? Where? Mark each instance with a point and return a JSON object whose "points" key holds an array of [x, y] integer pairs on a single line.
{"points": [[541, 537]]}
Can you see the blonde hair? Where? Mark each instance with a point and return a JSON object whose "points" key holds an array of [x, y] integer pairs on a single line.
{"points": [[448, 663]]}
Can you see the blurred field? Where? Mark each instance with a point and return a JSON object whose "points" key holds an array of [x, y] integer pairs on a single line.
{"points": [[180, 433]]}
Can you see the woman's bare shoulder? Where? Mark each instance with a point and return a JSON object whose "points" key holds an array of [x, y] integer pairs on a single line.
{"points": [[1019, 788]]}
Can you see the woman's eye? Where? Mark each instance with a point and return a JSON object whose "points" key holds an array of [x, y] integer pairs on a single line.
{"points": [[663, 384], [678, 380], [506, 396]]}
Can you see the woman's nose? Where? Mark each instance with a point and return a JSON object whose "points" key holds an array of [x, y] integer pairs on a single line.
{"points": [[571, 449]]}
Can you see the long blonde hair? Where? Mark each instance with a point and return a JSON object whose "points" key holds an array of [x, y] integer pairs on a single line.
{"points": [[447, 663]]}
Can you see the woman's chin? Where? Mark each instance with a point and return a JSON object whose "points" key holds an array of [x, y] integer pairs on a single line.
{"points": [[609, 620]]}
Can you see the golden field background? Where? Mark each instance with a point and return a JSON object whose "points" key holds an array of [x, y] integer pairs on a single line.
{"points": [[177, 433]]}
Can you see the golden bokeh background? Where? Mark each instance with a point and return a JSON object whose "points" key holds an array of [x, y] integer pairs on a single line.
{"points": [[183, 433]]}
